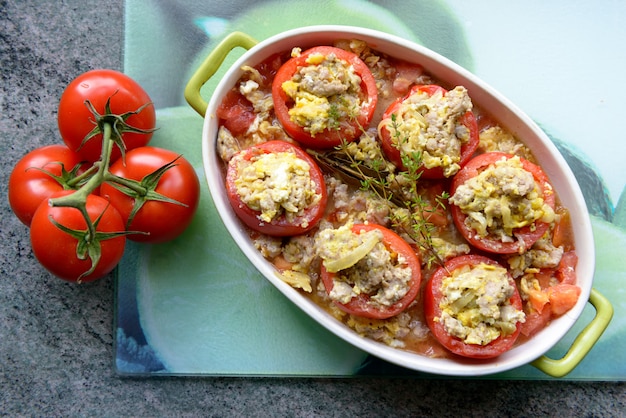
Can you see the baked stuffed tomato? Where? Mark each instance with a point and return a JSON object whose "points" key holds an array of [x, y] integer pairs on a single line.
{"points": [[473, 308], [434, 123], [324, 96], [502, 203], [276, 188], [369, 270]]}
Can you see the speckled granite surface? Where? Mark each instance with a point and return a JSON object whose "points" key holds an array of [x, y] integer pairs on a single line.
{"points": [[56, 339]]}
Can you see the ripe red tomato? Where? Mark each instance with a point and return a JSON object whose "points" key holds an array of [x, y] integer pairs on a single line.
{"points": [[162, 221], [29, 185], [56, 249], [279, 226], [526, 236], [348, 129], [361, 305], [433, 295], [392, 151], [75, 120]]}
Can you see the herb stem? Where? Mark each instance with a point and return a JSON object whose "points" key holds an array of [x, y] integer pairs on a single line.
{"points": [[379, 181]]}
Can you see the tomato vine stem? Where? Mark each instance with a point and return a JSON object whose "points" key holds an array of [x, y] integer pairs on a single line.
{"points": [[111, 127], [78, 199], [108, 126]]}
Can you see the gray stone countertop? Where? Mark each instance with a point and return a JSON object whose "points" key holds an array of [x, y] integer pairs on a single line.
{"points": [[56, 338]]}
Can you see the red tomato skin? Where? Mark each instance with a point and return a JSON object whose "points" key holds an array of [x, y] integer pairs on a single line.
{"points": [[525, 235], [161, 220], [359, 305], [268, 68], [279, 227], [563, 297], [236, 113], [393, 153], [432, 297], [56, 250], [536, 321], [328, 138], [29, 186], [406, 74], [566, 272], [75, 120]]}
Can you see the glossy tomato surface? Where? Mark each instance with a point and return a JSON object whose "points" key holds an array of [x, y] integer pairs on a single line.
{"points": [[433, 294], [76, 121], [361, 305], [279, 226], [34, 178], [159, 221], [56, 250]]}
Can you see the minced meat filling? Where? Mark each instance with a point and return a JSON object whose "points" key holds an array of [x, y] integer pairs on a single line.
{"points": [[501, 198], [275, 184], [475, 306], [380, 274], [324, 93], [430, 124]]}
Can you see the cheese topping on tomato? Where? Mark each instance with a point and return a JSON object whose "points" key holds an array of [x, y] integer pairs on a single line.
{"points": [[324, 93], [475, 305], [377, 272], [275, 184], [501, 198], [430, 125]]}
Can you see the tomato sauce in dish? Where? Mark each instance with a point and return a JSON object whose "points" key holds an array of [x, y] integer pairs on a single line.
{"points": [[436, 229]]}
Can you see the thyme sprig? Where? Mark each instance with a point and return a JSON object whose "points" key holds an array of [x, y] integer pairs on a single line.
{"points": [[399, 189]]}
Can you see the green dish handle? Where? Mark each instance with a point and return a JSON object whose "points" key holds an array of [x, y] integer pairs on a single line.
{"points": [[583, 342], [210, 66]]}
